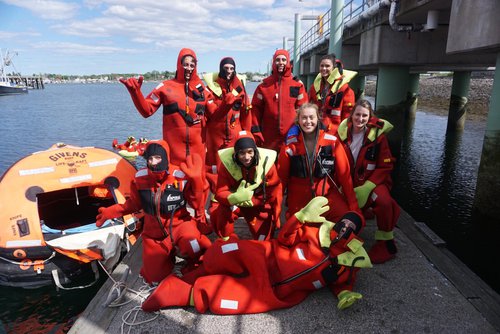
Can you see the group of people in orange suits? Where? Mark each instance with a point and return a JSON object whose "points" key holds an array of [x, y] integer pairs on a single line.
{"points": [[321, 155]]}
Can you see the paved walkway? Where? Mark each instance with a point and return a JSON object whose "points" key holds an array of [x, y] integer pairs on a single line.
{"points": [[424, 290]]}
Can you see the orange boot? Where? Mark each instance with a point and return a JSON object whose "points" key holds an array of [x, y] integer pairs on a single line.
{"points": [[383, 251]]}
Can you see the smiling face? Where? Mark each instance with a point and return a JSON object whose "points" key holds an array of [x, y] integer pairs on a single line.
{"points": [[360, 117], [308, 119], [245, 156], [189, 65], [280, 61], [325, 67]]}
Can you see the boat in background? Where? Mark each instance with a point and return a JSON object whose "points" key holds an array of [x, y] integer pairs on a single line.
{"points": [[48, 204], [6, 86]]}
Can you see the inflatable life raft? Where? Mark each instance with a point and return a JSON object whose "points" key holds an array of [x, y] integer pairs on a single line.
{"points": [[48, 205]]}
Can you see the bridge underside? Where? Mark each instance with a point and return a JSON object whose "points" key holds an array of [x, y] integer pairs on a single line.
{"points": [[464, 38]]}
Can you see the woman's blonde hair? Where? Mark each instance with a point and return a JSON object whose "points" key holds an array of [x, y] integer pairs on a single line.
{"points": [[305, 106]]}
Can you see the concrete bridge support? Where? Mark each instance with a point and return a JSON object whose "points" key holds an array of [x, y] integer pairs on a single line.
{"points": [[391, 101], [488, 179], [357, 84], [336, 25], [309, 81], [458, 101], [413, 83]]}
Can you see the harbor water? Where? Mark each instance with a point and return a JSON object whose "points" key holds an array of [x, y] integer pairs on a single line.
{"points": [[434, 180]]}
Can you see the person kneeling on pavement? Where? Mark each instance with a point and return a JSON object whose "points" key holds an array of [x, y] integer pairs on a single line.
{"points": [[249, 276], [248, 186], [162, 190]]}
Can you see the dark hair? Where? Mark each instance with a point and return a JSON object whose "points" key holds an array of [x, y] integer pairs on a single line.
{"points": [[330, 56]]}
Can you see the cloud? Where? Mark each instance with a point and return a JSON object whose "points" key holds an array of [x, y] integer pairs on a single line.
{"points": [[134, 30], [5, 35], [47, 9], [77, 49]]}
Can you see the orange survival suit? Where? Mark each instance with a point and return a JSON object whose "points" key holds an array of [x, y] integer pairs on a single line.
{"points": [[274, 103], [186, 107], [168, 229], [334, 98], [371, 174], [328, 172], [263, 207], [233, 116], [248, 276]]}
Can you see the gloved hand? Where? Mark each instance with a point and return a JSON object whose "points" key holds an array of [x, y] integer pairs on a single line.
{"points": [[362, 192], [110, 212], [259, 139], [229, 98], [245, 204], [132, 83], [243, 195], [192, 167], [312, 212], [347, 298]]}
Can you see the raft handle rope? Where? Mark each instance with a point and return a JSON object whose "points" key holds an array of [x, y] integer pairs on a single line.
{"points": [[57, 282], [27, 263]]}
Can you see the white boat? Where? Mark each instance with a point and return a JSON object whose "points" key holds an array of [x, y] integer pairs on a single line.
{"points": [[6, 86]]}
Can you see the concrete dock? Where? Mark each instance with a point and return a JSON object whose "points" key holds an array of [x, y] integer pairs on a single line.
{"points": [[426, 289]]}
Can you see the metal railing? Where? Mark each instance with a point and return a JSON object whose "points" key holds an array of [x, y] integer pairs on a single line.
{"points": [[320, 31]]}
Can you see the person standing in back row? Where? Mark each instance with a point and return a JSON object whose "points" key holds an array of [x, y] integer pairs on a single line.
{"points": [[231, 98], [187, 105], [331, 92], [274, 103], [364, 138]]}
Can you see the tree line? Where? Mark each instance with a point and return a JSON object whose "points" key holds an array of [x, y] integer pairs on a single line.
{"points": [[149, 76]]}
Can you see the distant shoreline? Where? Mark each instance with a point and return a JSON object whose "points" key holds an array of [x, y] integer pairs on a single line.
{"points": [[434, 94]]}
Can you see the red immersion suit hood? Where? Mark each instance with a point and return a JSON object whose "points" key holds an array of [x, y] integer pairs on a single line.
{"points": [[245, 140], [288, 66], [222, 71], [157, 147], [179, 75]]}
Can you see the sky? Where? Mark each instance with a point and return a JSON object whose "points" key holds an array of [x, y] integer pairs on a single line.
{"points": [[83, 37]]}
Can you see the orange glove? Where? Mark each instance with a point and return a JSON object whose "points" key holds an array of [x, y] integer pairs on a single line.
{"points": [[259, 139], [229, 98], [144, 106], [110, 212], [193, 170], [132, 84]]}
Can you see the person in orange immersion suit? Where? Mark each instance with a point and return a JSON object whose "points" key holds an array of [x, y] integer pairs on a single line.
{"points": [[274, 103], [364, 138], [231, 98], [330, 91], [313, 163], [248, 276], [162, 190], [187, 105], [248, 186]]}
